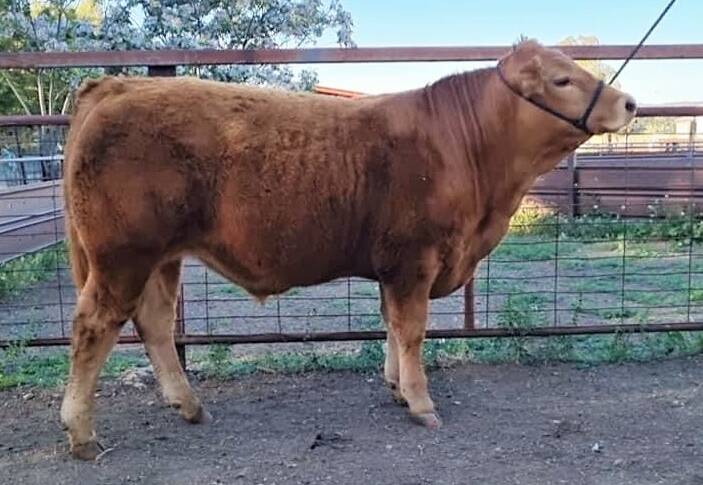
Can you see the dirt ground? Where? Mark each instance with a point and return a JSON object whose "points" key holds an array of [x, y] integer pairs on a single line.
{"points": [[560, 424]]}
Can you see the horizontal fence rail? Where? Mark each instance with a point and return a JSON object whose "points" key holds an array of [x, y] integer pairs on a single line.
{"points": [[574, 263], [381, 335], [59, 120], [33, 60]]}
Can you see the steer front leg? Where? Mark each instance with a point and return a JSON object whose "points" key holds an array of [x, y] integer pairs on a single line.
{"points": [[406, 312], [391, 367]]}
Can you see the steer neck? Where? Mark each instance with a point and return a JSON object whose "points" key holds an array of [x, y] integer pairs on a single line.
{"points": [[476, 120], [504, 142]]}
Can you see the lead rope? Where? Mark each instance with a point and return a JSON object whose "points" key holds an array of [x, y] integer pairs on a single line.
{"points": [[637, 48]]}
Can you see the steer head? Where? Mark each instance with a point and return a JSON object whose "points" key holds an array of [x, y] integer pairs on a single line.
{"points": [[560, 87]]}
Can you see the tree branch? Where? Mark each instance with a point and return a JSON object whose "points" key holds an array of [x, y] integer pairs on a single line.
{"points": [[40, 93], [51, 93], [66, 102], [16, 93]]}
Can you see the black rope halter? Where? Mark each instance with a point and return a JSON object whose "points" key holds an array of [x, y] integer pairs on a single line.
{"points": [[581, 123]]}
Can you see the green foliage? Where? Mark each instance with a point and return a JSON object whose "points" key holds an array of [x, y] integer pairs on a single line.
{"points": [[536, 221], [39, 26], [533, 221], [659, 125], [366, 289], [216, 360], [524, 249], [22, 366], [618, 347], [678, 229], [79, 25], [599, 69], [518, 312], [25, 271], [616, 314], [220, 364], [232, 290]]}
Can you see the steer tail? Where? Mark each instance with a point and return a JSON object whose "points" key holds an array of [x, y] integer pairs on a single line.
{"points": [[89, 95], [85, 98], [77, 256]]}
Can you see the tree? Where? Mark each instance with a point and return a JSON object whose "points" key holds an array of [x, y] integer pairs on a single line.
{"points": [[230, 24], [605, 72], [40, 26], [660, 125], [598, 68], [74, 25]]}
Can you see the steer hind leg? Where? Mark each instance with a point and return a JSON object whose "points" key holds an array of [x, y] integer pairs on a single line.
{"points": [[100, 312], [155, 319], [407, 319]]}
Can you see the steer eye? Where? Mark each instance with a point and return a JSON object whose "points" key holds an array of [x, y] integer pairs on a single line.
{"points": [[562, 82]]}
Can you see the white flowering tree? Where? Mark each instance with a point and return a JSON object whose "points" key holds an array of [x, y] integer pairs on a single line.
{"points": [[229, 24], [27, 26], [76, 25]]}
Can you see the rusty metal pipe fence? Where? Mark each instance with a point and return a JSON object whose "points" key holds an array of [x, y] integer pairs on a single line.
{"points": [[610, 241]]}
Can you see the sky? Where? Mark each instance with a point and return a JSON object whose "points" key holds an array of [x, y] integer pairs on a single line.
{"points": [[385, 23]]}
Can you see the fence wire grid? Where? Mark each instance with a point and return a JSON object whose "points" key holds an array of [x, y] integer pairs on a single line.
{"points": [[613, 236]]}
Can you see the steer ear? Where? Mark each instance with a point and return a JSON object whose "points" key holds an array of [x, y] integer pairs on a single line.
{"points": [[531, 78]]}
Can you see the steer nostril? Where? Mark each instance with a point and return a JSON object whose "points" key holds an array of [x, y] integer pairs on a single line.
{"points": [[630, 105]]}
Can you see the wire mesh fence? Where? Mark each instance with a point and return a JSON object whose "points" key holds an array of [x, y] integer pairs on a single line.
{"points": [[602, 240]]}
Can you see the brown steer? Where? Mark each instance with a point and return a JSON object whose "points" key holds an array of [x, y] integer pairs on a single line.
{"points": [[276, 190]]}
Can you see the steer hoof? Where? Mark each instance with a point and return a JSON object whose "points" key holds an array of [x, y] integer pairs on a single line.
{"points": [[199, 416], [205, 417], [397, 396], [428, 420], [86, 451]]}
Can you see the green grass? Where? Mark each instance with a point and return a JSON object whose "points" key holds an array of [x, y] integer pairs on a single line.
{"points": [[617, 314], [20, 273], [580, 350], [524, 248], [604, 284], [219, 361], [366, 289], [232, 289], [20, 366], [658, 297]]}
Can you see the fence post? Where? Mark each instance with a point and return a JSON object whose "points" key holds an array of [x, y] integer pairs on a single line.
{"points": [[469, 320], [162, 71], [170, 71], [180, 329], [692, 130], [574, 210]]}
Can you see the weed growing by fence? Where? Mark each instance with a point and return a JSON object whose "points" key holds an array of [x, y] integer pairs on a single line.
{"points": [[532, 220], [23, 366], [25, 271]]}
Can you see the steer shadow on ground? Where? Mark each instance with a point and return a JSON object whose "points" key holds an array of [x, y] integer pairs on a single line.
{"points": [[507, 424]]}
